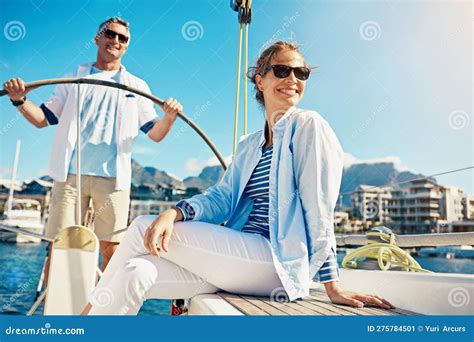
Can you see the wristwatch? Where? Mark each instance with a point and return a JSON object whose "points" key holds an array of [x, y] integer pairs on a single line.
{"points": [[18, 102]]}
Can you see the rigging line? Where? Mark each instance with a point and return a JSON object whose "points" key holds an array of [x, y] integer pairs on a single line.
{"points": [[78, 159], [246, 67], [237, 91], [411, 180]]}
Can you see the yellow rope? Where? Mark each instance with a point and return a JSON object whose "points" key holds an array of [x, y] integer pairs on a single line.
{"points": [[237, 91], [245, 4], [246, 65], [387, 254], [246, 46]]}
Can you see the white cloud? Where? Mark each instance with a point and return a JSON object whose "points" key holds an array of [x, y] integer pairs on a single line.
{"points": [[194, 166], [174, 176], [142, 150], [5, 172], [350, 160]]}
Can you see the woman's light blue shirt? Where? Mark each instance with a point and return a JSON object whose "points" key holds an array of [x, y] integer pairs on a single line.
{"points": [[305, 177]]}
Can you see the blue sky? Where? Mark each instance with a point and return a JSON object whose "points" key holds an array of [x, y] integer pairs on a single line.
{"points": [[394, 78]]}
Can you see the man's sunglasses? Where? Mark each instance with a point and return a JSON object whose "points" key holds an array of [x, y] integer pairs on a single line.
{"points": [[283, 71], [112, 34]]}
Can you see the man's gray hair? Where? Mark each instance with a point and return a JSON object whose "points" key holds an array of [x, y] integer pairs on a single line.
{"points": [[113, 20]]}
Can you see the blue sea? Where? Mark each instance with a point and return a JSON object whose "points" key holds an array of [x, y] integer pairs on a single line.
{"points": [[21, 268]]}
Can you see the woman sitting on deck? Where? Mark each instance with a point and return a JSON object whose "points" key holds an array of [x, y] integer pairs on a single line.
{"points": [[277, 199]]}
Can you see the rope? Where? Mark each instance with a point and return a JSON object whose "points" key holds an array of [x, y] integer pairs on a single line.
{"points": [[246, 67], [237, 91], [245, 16], [36, 303], [246, 64], [381, 247], [415, 240], [102, 237], [26, 232], [411, 180]]}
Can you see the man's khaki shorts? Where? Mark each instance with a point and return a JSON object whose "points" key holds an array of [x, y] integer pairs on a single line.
{"points": [[110, 206]]}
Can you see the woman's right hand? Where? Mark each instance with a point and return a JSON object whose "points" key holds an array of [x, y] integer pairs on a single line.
{"points": [[158, 234]]}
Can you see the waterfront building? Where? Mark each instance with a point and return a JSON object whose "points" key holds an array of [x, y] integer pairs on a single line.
{"points": [[468, 207], [415, 208], [148, 207], [369, 203]]}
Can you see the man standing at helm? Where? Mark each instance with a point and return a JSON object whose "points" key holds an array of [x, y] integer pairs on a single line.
{"points": [[110, 120]]}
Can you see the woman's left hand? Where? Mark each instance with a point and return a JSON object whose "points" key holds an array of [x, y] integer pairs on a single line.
{"points": [[358, 300]]}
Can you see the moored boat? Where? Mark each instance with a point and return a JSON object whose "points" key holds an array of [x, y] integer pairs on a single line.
{"points": [[24, 214]]}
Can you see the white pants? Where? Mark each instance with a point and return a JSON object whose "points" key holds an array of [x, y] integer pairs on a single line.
{"points": [[202, 258]]}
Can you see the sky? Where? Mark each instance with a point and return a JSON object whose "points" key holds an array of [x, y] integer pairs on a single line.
{"points": [[394, 78]]}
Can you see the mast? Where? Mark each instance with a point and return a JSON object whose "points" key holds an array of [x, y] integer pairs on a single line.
{"points": [[12, 184]]}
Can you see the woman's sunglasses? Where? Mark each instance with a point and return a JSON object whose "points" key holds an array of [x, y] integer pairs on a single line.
{"points": [[283, 71], [112, 34]]}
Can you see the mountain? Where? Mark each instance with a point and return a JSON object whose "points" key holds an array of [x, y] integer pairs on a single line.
{"points": [[151, 176], [46, 178], [209, 176], [377, 174]]}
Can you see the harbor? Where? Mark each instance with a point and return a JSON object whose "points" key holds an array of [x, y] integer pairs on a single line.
{"points": [[243, 170], [22, 265]]}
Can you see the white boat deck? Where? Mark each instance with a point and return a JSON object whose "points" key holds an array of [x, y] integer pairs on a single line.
{"points": [[316, 304], [411, 294]]}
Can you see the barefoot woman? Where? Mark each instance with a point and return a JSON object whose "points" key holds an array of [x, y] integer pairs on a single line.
{"points": [[277, 200]]}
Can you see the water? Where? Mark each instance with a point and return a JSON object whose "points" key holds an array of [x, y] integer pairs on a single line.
{"points": [[22, 265], [20, 271]]}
